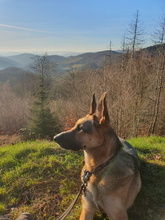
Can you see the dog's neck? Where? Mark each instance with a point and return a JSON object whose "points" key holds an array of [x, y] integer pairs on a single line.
{"points": [[96, 156]]}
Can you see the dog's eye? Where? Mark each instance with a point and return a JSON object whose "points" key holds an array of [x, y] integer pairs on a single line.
{"points": [[80, 127]]}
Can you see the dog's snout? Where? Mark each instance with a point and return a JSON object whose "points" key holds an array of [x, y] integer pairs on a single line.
{"points": [[67, 140], [56, 138]]}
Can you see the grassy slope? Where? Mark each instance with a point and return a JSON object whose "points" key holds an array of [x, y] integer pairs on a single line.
{"points": [[151, 200], [42, 178]]}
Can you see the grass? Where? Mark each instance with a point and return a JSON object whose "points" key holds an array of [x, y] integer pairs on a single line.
{"points": [[151, 200], [36, 176], [41, 178]]}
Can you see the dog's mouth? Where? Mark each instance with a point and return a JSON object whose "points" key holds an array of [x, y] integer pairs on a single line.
{"points": [[73, 148]]}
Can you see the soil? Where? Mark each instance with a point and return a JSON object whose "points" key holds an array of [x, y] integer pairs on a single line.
{"points": [[8, 139]]}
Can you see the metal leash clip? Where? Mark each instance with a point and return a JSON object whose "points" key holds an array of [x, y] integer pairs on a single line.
{"points": [[86, 178]]}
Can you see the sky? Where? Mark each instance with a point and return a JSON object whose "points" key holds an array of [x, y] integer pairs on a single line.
{"points": [[65, 26]]}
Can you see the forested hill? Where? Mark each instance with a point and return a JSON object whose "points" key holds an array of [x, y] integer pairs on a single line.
{"points": [[12, 68], [63, 64]]}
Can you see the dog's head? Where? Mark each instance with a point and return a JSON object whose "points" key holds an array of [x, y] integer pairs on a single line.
{"points": [[88, 132]]}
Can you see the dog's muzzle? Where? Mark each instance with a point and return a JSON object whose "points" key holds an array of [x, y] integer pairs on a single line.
{"points": [[68, 141]]}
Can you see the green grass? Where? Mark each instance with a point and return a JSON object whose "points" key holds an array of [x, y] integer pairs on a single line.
{"points": [[41, 178], [151, 200], [36, 176]]}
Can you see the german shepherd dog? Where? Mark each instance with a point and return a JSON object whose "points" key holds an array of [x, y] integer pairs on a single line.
{"points": [[112, 163]]}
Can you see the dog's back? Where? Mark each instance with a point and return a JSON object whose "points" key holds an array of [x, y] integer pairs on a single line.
{"points": [[130, 150]]}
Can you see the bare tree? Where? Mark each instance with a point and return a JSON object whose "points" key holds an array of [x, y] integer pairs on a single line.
{"points": [[159, 39], [134, 42], [14, 109], [135, 34]]}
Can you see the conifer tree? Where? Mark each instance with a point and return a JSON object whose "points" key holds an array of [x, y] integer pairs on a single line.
{"points": [[42, 122]]}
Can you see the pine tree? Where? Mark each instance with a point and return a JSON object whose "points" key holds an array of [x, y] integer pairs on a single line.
{"points": [[42, 122]]}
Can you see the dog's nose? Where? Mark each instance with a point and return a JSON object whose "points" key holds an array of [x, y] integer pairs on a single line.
{"points": [[56, 138]]}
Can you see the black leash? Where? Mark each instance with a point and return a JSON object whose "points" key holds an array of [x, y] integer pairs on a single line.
{"points": [[67, 211], [86, 178]]}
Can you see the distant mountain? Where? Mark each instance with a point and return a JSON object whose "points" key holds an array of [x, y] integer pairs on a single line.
{"points": [[84, 61], [64, 64], [12, 68], [13, 75], [56, 58], [24, 60], [6, 62], [155, 48]]}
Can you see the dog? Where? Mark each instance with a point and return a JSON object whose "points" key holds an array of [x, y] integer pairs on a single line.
{"points": [[111, 164]]}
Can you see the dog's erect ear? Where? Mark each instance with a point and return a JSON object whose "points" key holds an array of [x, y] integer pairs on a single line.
{"points": [[93, 105], [102, 111]]}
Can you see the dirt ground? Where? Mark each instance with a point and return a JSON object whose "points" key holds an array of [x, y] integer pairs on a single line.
{"points": [[7, 139]]}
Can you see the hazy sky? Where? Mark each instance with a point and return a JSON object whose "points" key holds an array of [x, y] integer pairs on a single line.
{"points": [[72, 25]]}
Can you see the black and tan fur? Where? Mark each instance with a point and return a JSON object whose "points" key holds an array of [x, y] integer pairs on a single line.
{"points": [[114, 188]]}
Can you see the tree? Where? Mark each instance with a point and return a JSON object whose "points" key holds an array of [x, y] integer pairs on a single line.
{"points": [[134, 71], [13, 109], [135, 33], [42, 122], [159, 40]]}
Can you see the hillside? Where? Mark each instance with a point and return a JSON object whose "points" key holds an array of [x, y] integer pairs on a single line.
{"points": [[13, 75], [41, 178], [154, 49], [64, 64], [6, 62], [91, 60], [87, 61], [24, 60]]}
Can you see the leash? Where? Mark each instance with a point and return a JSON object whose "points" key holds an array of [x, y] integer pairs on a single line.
{"points": [[86, 178], [68, 210]]}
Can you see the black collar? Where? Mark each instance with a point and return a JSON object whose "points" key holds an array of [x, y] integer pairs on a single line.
{"points": [[88, 174]]}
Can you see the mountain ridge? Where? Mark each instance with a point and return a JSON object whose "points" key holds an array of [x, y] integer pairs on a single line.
{"points": [[7, 62], [63, 64], [14, 66]]}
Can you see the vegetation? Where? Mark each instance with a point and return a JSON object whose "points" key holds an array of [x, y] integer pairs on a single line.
{"points": [[134, 81], [42, 122], [38, 177], [41, 178]]}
